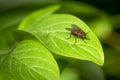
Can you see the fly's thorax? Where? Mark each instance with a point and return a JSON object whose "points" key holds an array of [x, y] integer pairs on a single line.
{"points": [[78, 33]]}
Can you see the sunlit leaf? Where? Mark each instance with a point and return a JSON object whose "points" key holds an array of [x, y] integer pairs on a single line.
{"points": [[37, 16], [50, 30], [30, 61]]}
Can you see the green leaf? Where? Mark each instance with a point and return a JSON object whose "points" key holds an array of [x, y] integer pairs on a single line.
{"points": [[4, 76], [50, 30], [30, 61], [37, 16]]}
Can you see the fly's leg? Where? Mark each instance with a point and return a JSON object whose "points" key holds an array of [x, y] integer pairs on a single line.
{"points": [[75, 40], [84, 41], [87, 38]]}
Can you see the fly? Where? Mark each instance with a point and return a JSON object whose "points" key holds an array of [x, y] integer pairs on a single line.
{"points": [[77, 32]]}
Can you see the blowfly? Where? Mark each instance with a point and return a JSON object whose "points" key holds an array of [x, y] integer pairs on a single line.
{"points": [[77, 32]]}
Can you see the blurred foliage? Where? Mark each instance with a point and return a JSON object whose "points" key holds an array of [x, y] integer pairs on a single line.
{"points": [[102, 16]]}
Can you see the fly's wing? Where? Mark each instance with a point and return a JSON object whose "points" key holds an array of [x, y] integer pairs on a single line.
{"points": [[75, 27], [69, 29]]}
